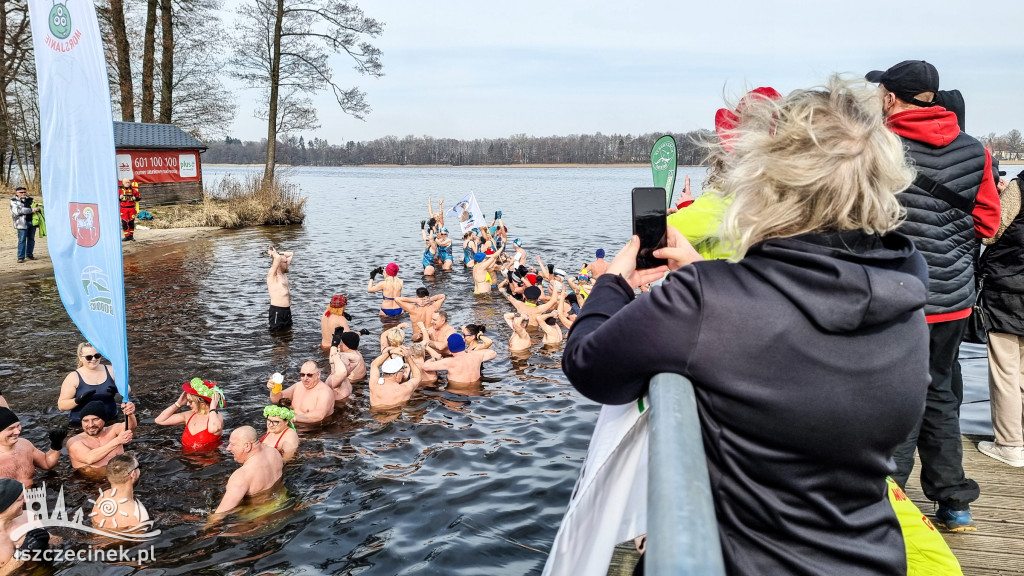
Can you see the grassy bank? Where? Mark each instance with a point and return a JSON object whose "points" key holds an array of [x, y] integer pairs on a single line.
{"points": [[236, 203]]}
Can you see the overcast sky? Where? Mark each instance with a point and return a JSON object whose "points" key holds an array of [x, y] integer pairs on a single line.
{"points": [[486, 69]]}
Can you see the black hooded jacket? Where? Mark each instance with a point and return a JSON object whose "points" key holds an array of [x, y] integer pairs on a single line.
{"points": [[809, 358]]}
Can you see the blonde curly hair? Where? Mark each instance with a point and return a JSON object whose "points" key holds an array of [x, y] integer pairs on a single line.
{"points": [[818, 160]]}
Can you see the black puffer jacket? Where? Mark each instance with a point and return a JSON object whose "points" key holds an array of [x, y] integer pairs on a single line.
{"points": [[1002, 272], [809, 358]]}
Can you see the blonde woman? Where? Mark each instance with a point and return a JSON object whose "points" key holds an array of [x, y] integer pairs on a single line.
{"points": [[808, 353], [390, 288], [91, 381], [203, 425], [394, 337]]}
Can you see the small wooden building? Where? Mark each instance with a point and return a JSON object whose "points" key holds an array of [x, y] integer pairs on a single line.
{"points": [[162, 158]]}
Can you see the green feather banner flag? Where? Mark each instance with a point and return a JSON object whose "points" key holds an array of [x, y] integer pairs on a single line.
{"points": [[663, 163]]}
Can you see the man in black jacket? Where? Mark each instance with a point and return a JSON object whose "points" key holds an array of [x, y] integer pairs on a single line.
{"points": [[21, 212], [952, 202]]}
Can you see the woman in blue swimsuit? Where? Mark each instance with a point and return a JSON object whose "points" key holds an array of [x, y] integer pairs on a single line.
{"points": [[429, 253], [444, 249], [469, 248], [390, 288]]}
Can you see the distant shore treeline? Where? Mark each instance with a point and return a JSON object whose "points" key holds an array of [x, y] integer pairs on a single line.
{"points": [[412, 150]]}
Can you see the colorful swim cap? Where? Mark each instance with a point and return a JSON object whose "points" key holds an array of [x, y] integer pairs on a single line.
{"points": [[203, 389], [456, 343], [278, 411], [442, 231], [600, 252], [479, 256], [518, 243], [531, 278], [391, 269], [339, 301], [489, 251]]}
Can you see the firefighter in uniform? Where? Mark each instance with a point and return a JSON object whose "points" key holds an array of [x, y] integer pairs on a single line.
{"points": [[128, 193]]}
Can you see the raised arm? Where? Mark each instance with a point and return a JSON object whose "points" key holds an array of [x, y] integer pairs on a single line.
{"points": [[275, 266], [373, 276], [170, 416]]}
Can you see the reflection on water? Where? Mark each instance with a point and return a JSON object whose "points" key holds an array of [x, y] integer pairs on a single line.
{"points": [[463, 479]]}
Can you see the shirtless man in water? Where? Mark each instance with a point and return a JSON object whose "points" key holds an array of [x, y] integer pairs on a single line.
{"points": [[260, 471], [530, 308], [598, 266], [389, 384], [18, 457], [463, 367], [439, 331], [520, 339], [312, 399], [98, 443], [347, 366], [280, 316], [484, 278], [420, 309]]}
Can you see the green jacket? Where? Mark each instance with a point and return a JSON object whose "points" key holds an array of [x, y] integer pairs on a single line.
{"points": [[39, 219], [700, 221]]}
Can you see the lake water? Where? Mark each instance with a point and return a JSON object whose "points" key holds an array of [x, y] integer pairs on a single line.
{"points": [[457, 482]]}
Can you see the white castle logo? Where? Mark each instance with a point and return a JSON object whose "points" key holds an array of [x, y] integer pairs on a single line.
{"points": [[105, 509]]}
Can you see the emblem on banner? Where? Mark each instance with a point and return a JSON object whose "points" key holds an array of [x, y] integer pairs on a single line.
{"points": [[97, 287], [60, 21], [85, 223]]}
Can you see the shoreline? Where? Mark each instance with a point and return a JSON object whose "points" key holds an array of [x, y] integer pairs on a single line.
{"points": [[42, 266]]}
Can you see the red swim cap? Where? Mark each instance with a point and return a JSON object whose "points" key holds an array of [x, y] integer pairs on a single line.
{"points": [[391, 269]]}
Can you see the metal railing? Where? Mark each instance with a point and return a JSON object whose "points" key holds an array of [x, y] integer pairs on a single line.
{"points": [[682, 530]]}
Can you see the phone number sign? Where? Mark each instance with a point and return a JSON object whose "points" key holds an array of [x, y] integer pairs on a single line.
{"points": [[151, 166]]}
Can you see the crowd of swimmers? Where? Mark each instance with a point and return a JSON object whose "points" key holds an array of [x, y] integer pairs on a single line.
{"points": [[416, 344]]}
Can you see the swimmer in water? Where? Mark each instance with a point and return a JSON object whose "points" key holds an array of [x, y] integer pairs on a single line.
{"points": [[430, 252], [484, 278], [463, 366], [335, 317], [390, 385], [18, 457], [280, 315], [390, 288], [261, 468], [281, 434], [311, 398], [420, 309], [548, 323], [473, 334], [203, 425], [520, 339], [444, 249], [469, 244], [98, 443]]}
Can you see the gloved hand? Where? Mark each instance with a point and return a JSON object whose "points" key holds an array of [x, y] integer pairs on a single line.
{"points": [[432, 222], [497, 215], [364, 331], [375, 271], [551, 268], [85, 399], [423, 224], [37, 539], [57, 437], [347, 315], [336, 337], [112, 389]]}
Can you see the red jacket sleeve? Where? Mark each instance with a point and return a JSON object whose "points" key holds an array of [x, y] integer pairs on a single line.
{"points": [[986, 204]]}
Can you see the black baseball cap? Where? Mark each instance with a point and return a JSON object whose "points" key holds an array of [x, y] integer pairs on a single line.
{"points": [[908, 79]]}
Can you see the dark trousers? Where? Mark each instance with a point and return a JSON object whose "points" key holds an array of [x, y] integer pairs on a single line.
{"points": [[937, 435], [26, 242]]}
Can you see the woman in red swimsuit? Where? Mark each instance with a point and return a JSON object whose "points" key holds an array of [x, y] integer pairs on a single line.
{"points": [[281, 432], [203, 426]]}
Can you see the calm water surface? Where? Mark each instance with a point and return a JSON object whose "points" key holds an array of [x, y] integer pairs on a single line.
{"points": [[457, 482]]}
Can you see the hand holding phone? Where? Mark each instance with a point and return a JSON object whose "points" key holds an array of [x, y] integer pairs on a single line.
{"points": [[649, 223]]}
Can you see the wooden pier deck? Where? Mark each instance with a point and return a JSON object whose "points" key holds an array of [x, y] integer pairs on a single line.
{"points": [[995, 549]]}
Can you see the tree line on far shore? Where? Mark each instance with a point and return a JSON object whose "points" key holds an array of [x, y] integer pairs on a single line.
{"points": [[424, 150]]}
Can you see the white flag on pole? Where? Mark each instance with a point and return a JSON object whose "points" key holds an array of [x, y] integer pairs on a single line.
{"points": [[467, 213]]}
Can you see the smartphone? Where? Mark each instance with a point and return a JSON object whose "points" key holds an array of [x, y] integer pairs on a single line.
{"points": [[649, 221]]}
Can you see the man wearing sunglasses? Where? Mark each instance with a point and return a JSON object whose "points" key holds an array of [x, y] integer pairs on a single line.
{"points": [[21, 212], [312, 399]]}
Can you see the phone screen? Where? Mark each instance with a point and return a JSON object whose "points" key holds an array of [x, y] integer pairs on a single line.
{"points": [[649, 224]]}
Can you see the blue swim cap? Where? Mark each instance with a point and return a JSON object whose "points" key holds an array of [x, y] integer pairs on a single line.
{"points": [[600, 253], [456, 343], [517, 242], [442, 231], [479, 256]]}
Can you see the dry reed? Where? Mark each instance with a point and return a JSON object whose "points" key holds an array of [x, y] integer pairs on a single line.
{"points": [[237, 203]]}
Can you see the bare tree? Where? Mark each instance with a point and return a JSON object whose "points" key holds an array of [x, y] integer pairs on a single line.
{"points": [[122, 58], [149, 62], [18, 125], [283, 47], [166, 62]]}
